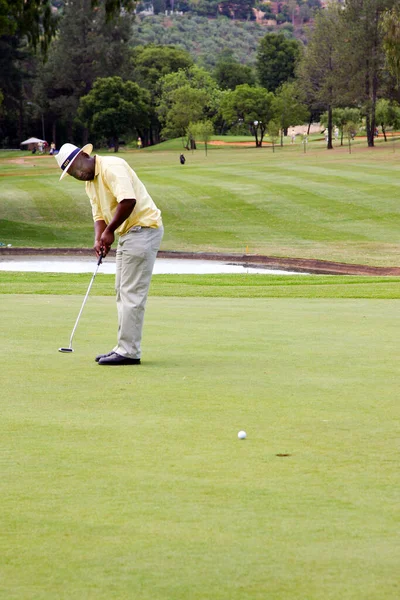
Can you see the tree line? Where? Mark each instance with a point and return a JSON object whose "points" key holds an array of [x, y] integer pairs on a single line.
{"points": [[95, 84]]}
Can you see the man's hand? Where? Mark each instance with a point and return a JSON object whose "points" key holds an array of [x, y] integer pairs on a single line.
{"points": [[106, 241], [104, 234], [99, 228], [97, 248]]}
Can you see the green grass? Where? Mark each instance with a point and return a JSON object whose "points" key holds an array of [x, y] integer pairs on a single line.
{"points": [[206, 286], [131, 482], [327, 205]]}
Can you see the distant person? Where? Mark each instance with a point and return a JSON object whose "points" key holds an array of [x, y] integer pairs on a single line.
{"points": [[139, 143], [40, 147], [120, 204], [52, 148], [336, 133], [293, 136], [182, 159]]}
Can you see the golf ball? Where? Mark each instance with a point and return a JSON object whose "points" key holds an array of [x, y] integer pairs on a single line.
{"points": [[242, 435]]}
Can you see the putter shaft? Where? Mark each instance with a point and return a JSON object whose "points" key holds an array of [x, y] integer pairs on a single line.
{"points": [[69, 349]]}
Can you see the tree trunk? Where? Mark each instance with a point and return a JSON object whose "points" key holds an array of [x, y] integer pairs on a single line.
{"points": [[373, 104], [370, 130], [263, 129], [368, 124], [53, 132], [384, 132], [20, 120], [256, 135], [309, 123], [330, 126]]}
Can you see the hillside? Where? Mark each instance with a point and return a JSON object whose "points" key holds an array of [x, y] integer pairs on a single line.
{"points": [[202, 37]]}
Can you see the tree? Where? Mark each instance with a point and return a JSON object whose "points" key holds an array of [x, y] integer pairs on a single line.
{"points": [[252, 106], [187, 105], [207, 8], [201, 131], [33, 20], [114, 108], [350, 130], [391, 42], [14, 61], [29, 25], [340, 118], [114, 8], [150, 64], [365, 56], [387, 115], [24, 26], [178, 90], [237, 9], [229, 73], [288, 106], [321, 72], [95, 48], [277, 58], [273, 132]]}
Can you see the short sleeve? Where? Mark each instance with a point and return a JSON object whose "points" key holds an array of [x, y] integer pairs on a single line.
{"points": [[96, 208], [119, 180]]}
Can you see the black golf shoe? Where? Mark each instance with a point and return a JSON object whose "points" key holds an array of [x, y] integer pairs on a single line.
{"points": [[117, 359], [103, 356]]}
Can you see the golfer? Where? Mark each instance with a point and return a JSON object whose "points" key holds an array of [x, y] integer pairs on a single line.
{"points": [[120, 204]]}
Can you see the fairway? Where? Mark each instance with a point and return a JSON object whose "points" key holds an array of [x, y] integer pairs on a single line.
{"points": [[320, 205], [131, 482]]}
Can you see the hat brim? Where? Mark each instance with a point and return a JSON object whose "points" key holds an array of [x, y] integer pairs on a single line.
{"points": [[88, 149]]}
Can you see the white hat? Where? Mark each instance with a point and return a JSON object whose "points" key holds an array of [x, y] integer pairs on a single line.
{"points": [[67, 155]]}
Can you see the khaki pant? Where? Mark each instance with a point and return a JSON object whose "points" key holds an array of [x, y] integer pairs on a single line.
{"points": [[136, 255]]}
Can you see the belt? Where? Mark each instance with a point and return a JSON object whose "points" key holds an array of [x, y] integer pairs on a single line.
{"points": [[137, 228]]}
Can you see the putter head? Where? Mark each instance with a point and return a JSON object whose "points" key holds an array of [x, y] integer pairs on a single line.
{"points": [[65, 350]]}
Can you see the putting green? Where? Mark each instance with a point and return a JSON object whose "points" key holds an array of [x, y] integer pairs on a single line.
{"points": [[131, 482]]}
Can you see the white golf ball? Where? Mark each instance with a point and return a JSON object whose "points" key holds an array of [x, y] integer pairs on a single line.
{"points": [[242, 435]]}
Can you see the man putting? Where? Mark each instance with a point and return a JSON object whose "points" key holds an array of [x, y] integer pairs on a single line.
{"points": [[120, 204]]}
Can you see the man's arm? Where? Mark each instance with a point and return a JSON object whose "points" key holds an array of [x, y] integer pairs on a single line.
{"points": [[99, 227], [124, 209]]}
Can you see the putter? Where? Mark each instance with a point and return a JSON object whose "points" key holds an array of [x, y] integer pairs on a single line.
{"points": [[70, 349]]}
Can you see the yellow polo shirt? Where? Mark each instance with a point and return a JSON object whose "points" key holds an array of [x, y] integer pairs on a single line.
{"points": [[114, 181]]}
